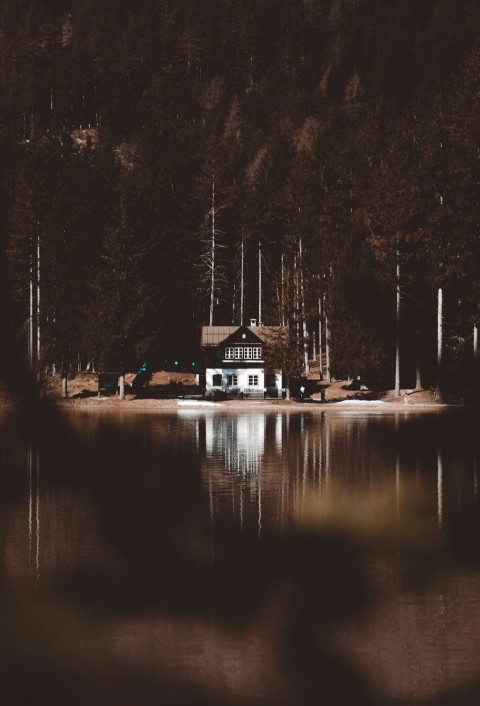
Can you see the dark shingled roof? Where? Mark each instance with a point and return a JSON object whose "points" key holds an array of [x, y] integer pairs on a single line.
{"points": [[214, 335]]}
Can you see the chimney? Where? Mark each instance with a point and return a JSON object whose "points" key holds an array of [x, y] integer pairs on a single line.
{"points": [[253, 322]]}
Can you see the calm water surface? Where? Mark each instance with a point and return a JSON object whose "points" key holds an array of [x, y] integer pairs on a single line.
{"points": [[253, 558]]}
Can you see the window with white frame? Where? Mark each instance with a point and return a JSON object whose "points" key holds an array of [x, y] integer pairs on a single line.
{"points": [[238, 353], [253, 380], [229, 352], [247, 354], [257, 353], [232, 380]]}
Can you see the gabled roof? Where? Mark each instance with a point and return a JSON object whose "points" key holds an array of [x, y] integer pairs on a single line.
{"points": [[215, 335]]}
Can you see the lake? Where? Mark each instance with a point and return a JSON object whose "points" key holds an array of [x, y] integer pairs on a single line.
{"points": [[240, 558]]}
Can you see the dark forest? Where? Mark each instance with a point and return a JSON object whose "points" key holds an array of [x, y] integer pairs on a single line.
{"points": [[157, 157]]}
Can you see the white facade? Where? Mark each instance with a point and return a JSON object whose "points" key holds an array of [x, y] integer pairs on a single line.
{"points": [[238, 380]]}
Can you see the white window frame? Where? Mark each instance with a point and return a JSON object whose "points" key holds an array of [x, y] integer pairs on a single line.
{"points": [[253, 380], [238, 353], [232, 380], [229, 353], [257, 353], [247, 353]]}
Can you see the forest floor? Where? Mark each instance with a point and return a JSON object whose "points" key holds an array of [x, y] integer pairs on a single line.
{"points": [[169, 390]]}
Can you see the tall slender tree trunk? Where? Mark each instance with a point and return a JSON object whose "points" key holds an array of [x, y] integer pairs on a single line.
{"points": [[418, 368], [30, 312], [439, 391], [212, 256], [242, 261], [302, 301], [418, 375], [397, 330], [327, 344], [476, 363], [320, 348], [259, 283], [296, 305], [38, 298], [38, 307]]}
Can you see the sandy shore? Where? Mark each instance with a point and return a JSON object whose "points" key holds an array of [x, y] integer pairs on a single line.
{"points": [[173, 405], [170, 392], [338, 399]]}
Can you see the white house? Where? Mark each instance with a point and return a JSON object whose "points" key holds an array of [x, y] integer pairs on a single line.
{"points": [[235, 360]]}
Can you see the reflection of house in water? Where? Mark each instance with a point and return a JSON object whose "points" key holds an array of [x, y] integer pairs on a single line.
{"points": [[239, 440]]}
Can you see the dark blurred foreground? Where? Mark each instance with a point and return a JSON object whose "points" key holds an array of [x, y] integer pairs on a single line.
{"points": [[289, 592]]}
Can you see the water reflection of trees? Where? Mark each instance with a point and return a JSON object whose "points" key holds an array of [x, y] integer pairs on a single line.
{"points": [[107, 568], [289, 457]]}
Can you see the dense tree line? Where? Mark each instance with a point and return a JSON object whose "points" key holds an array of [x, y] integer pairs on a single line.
{"points": [[165, 163]]}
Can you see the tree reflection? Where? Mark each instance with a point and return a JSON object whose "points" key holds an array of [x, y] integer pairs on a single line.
{"points": [[153, 524]]}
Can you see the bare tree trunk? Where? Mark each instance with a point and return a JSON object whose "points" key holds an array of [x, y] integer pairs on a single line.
{"points": [[439, 344], [259, 283], [418, 367], [64, 384], [38, 304], [242, 280], [122, 387], [30, 313], [296, 302], [418, 375], [212, 256], [320, 351], [327, 345], [397, 338], [304, 321], [476, 362], [314, 347]]}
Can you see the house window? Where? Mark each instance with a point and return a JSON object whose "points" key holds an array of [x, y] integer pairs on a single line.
{"points": [[232, 380], [217, 380], [248, 353], [253, 380], [229, 353], [257, 353], [238, 353]]}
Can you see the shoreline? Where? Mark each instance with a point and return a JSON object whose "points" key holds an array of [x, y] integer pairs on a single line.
{"points": [[82, 397], [148, 405]]}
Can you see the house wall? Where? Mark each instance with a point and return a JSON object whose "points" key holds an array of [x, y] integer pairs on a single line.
{"points": [[242, 378]]}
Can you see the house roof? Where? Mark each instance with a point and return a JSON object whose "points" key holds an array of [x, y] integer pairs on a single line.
{"points": [[214, 335]]}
